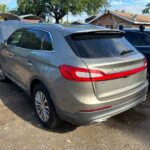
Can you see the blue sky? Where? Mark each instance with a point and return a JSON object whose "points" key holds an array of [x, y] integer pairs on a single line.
{"points": [[10, 3], [133, 6]]}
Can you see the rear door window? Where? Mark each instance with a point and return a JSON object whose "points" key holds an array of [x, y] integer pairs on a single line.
{"points": [[32, 39], [47, 42], [99, 46]]}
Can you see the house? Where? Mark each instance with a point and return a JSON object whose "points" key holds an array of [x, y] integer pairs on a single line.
{"points": [[26, 18], [31, 18], [8, 16], [90, 18], [115, 19]]}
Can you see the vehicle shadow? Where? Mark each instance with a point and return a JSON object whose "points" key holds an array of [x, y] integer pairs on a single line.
{"points": [[21, 104], [135, 120]]}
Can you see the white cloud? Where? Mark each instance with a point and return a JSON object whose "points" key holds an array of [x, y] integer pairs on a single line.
{"points": [[134, 6]]}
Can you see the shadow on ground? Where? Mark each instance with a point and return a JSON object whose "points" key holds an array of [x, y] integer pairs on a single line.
{"points": [[135, 121], [21, 104]]}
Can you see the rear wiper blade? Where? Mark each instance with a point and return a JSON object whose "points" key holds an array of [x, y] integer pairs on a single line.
{"points": [[126, 52]]}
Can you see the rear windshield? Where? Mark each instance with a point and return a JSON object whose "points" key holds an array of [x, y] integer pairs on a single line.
{"points": [[99, 46]]}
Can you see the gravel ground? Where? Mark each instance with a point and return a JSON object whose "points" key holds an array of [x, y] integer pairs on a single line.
{"points": [[20, 130]]}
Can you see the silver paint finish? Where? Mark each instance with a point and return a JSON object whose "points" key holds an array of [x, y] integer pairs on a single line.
{"points": [[24, 66]]}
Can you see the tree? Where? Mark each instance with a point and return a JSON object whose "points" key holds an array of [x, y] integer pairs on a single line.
{"points": [[147, 9], [35, 7], [13, 11], [59, 8], [3, 8]]}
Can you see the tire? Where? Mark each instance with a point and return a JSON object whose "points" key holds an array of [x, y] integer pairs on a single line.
{"points": [[45, 109], [2, 76]]}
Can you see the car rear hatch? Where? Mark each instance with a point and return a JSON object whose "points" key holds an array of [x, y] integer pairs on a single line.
{"points": [[114, 64]]}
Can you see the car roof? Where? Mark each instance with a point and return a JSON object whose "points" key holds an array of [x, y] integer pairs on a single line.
{"points": [[72, 29], [8, 27]]}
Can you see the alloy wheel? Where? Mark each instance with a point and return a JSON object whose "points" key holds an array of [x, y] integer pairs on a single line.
{"points": [[42, 106]]}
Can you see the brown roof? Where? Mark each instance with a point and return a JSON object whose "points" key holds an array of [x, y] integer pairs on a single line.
{"points": [[134, 18], [143, 18]]}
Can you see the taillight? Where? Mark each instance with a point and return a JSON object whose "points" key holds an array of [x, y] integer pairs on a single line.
{"points": [[79, 74], [88, 75]]}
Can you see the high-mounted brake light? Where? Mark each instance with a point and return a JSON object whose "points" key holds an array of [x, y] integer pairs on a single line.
{"points": [[89, 75]]}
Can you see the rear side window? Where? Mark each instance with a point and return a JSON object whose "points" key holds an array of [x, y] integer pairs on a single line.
{"points": [[15, 38], [98, 45], [32, 39], [47, 42], [138, 38]]}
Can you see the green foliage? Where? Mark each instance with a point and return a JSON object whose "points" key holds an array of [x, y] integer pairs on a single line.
{"points": [[147, 9], [59, 8], [3, 8], [13, 11], [35, 7]]}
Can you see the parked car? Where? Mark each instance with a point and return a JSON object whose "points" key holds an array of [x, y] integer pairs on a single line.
{"points": [[80, 74], [141, 40]]}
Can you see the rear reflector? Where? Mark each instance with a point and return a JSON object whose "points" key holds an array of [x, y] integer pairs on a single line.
{"points": [[97, 109], [89, 75]]}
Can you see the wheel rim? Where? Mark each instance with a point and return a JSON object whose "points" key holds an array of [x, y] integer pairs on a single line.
{"points": [[42, 107]]}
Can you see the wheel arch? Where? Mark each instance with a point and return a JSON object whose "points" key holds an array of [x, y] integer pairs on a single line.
{"points": [[34, 82]]}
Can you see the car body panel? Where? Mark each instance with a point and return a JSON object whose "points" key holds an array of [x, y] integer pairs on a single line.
{"points": [[70, 97], [104, 89]]}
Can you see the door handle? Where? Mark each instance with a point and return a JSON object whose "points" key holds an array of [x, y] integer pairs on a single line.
{"points": [[11, 55], [29, 63]]}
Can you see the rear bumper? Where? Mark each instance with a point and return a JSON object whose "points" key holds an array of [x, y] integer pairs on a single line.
{"points": [[80, 118]]}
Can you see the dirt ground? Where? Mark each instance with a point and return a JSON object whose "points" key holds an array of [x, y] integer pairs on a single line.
{"points": [[20, 130]]}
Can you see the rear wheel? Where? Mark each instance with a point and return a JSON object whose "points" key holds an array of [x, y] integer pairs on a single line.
{"points": [[44, 107], [2, 76]]}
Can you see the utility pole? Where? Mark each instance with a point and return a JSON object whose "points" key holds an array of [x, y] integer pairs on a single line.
{"points": [[68, 17]]}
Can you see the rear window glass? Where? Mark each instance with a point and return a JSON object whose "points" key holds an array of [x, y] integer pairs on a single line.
{"points": [[99, 46]]}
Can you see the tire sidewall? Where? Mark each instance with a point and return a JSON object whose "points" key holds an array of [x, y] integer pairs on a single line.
{"points": [[51, 123]]}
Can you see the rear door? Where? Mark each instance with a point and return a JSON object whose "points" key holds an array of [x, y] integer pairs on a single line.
{"points": [[115, 59], [14, 42], [23, 64]]}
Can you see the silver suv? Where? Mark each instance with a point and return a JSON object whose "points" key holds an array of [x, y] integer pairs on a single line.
{"points": [[81, 74]]}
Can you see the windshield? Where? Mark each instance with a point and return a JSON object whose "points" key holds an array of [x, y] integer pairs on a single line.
{"points": [[99, 46]]}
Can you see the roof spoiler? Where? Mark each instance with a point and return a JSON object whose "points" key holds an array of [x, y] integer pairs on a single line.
{"points": [[104, 31]]}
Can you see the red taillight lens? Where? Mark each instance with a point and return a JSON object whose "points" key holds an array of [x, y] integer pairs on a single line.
{"points": [[88, 75], [79, 74]]}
